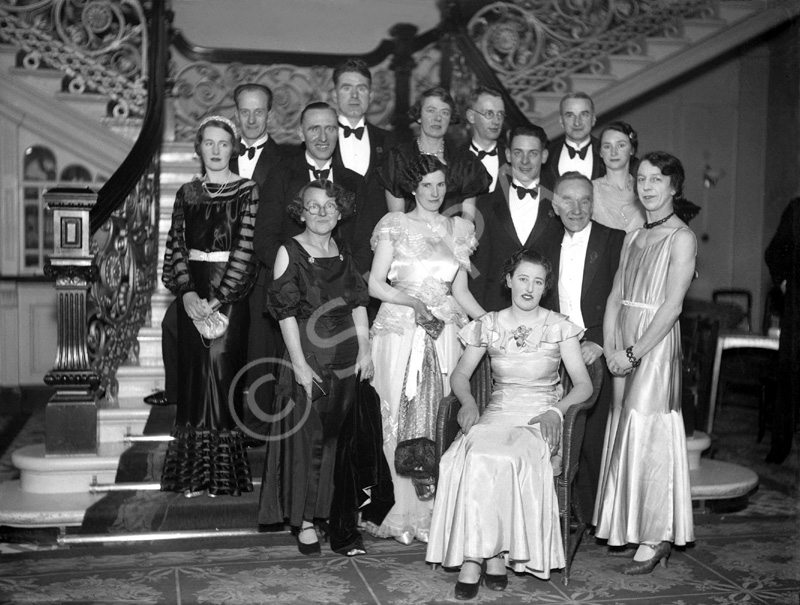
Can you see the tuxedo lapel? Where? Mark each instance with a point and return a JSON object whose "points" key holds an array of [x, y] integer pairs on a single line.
{"points": [[598, 240], [266, 161], [501, 208]]}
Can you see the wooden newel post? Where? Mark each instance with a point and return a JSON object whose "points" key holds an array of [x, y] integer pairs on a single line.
{"points": [[71, 413], [402, 64]]}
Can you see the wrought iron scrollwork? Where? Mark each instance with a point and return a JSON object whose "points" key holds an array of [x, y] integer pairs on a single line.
{"points": [[99, 44], [202, 88], [535, 45], [126, 256]]}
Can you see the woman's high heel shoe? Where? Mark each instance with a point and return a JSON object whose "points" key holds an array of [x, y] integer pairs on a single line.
{"points": [[469, 590], [662, 552], [306, 549]]}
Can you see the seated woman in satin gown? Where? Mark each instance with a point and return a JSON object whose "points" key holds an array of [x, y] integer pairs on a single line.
{"points": [[209, 265], [319, 299], [496, 504], [425, 258], [644, 495]]}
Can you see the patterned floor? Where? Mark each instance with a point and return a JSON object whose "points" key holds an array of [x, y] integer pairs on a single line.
{"points": [[735, 561]]}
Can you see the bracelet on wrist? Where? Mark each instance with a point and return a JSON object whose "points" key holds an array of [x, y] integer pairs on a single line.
{"points": [[559, 412], [635, 363]]}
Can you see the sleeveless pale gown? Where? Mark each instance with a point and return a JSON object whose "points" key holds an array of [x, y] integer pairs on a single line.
{"points": [[496, 492], [644, 493], [424, 264]]}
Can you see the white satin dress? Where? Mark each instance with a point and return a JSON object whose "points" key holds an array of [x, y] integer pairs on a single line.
{"points": [[644, 493], [496, 492]]}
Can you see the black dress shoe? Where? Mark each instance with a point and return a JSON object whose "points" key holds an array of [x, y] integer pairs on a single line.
{"points": [[306, 549], [465, 591], [158, 398], [495, 582]]}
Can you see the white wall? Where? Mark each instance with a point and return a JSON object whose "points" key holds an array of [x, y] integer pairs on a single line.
{"points": [[323, 26]]}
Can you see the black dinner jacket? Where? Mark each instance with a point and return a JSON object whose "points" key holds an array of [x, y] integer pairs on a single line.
{"points": [[273, 223], [550, 172], [600, 266], [357, 230], [499, 240]]}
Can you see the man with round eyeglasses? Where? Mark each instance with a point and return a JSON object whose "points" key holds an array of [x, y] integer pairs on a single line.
{"points": [[486, 114]]}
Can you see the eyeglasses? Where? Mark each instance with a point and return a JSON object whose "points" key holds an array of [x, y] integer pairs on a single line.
{"points": [[491, 114], [329, 208]]}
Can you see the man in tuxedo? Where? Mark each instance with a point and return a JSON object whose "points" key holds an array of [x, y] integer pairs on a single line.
{"points": [[360, 149], [319, 130], [485, 114], [584, 262], [516, 215], [577, 150]]}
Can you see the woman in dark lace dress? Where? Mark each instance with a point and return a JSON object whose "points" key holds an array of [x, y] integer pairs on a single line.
{"points": [[209, 266], [320, 299]]}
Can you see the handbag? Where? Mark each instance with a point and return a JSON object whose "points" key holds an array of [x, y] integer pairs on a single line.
{"points": [[433, 327], [213, 326]]}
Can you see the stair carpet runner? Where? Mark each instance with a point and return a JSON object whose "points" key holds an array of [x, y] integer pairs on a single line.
{"points": [[139, 510]]}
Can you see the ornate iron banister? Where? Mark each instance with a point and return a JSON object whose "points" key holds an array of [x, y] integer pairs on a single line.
{"points": [[204, 80], [99, 45]]}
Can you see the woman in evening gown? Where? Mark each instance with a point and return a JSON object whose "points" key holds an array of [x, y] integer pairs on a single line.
{"points": [[496, 502], [209, 266], [319, 299], [435, 111], [425, 257], [644, 496], [615, 201]]}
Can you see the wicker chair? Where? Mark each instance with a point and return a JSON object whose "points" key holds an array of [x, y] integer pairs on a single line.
{"points": [[574, 426]]}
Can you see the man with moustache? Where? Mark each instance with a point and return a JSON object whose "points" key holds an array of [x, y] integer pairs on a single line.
{"points": [[485, 114], [577, 150], [584, 262], [516, 215], [360, 148]]}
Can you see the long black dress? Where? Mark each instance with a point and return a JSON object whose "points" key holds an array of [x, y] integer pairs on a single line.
{"points": [[465, 177], [207, 451], [321, 294]]}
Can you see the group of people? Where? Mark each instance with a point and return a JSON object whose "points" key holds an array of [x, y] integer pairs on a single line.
{"points": [[357, 292]]}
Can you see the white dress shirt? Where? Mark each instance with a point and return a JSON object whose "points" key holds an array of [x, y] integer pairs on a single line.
{"points": [[355, 153], [570, 274], [568, 164], [312, 162], [525, 211], [490, 162], [248, 166]]}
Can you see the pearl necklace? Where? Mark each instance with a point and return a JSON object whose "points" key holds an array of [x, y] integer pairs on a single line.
{"points": [[437, 152], [204, 184]]}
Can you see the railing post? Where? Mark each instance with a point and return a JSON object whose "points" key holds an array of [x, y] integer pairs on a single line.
{"points": [[71, 413], [402, 64]]}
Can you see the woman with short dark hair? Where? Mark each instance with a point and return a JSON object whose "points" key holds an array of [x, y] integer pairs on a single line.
{"points": [[209, 266], [434, 111]]}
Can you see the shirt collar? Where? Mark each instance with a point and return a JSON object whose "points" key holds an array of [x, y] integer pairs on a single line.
{"points": [[262, 141], [578, 238], [312, 162], [579, 146], [343, 121]]}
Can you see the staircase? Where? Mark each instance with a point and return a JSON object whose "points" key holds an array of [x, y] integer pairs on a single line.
{"points": [[652, 62]]}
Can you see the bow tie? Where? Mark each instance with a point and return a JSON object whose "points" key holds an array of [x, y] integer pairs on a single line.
{"points": [[482, 154], [522, 191], [251, 151], [321, 175], [581, 153], [359, 132]]}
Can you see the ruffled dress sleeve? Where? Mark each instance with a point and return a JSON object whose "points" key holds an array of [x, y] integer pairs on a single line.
{"points": [[477, 333], [391, 227], [561, 329], [392, 165], [467, 176], [284, 296], [464, 241], [176, 275], [240, 272]]}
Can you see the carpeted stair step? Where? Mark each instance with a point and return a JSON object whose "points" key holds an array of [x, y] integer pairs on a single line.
{"points": [[137, 505]]}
